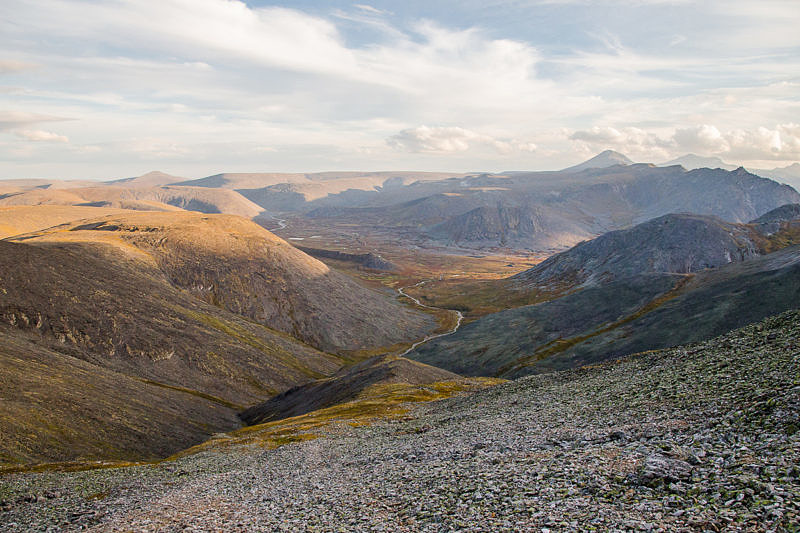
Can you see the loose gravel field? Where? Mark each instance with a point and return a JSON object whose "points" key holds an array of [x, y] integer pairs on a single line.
{"points": [[697, 438]]}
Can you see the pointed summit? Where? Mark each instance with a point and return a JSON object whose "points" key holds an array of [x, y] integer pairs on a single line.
{"points": [[605, 159]]}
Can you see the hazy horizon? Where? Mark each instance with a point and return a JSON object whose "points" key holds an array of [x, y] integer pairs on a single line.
{"points": [[116, 89]]}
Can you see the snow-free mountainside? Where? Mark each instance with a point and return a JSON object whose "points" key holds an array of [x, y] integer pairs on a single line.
{"points": [[612, 347]]}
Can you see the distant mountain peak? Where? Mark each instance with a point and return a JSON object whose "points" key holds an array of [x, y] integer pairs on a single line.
{"points": [[694, 161], [606, 158], [155, 173], [154, 178]]}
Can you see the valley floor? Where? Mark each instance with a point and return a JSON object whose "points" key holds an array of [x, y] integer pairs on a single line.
{"points": [[697, 438]]}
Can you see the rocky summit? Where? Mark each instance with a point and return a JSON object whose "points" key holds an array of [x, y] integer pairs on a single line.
{"points": [[702, 437]]}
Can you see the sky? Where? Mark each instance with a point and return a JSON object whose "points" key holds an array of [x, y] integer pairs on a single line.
{"points": [[116, 88]]}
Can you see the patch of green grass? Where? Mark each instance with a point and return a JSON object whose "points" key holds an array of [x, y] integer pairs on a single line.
{"points": [[376, 402]]}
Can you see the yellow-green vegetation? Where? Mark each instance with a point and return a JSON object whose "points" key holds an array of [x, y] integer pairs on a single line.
{"points": [[476, 298], [385, 401], [788, 236], [68, 466], [247, 337], [199, 394]]}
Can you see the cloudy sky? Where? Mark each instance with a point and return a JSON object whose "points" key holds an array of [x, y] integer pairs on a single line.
{"points": [[114, 88]]}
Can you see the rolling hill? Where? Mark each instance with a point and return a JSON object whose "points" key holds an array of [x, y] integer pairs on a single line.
{"points": [[234, 264], [25, 219], [166, 198], [154, 178], [165, 308]]}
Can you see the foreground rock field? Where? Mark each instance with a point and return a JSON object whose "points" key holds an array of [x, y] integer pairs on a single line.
{"points": [[697, 438]]}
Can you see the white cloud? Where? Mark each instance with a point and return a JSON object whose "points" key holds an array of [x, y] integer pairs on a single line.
{"points": [[635, 142], [186, 73], [701, 138], [761, 143], [756, 144], [599, 134], [10, 120], [42, 136], [445, 139], [370, 9], [8, 66], [781, 143]]}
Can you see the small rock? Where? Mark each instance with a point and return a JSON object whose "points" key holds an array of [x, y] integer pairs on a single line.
{"points": [[658, 468], [618, 435]]}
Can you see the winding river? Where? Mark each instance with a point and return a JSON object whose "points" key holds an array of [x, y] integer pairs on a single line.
{"points": [[459, 314], [402, 291], [281, 222]]}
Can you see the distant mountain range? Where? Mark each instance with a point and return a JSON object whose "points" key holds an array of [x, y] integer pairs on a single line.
{"points": [[692, 161], [539, 211], [549, 210], [789, 174], [140, 316]]}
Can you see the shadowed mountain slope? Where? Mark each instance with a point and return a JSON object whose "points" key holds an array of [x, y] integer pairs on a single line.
{"points": [[676, 243], [236, 265], [491, 343], [346, 385], [511, 226], [711, 303], [784, 213], [111, 306], [59, 408]]}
